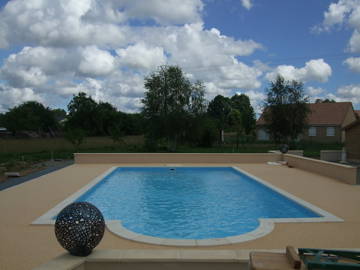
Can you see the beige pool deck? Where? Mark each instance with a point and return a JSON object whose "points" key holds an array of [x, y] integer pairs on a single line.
{"points": [[25, 246]]}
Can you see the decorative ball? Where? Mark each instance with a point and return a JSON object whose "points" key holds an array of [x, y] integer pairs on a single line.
{"points": [[284, 148], [79, 228]]}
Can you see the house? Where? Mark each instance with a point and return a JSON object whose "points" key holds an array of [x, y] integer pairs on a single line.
{"points": [[4, 132], [352, 143], [325, 123]]}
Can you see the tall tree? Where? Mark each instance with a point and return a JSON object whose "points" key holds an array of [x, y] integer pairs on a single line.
{"points": [[219, 109], [286, 109], [169, 100], [106, 118], [59, 114], [235, 120], [2, 119], [241, 103], [30, 116], [82, 114]]}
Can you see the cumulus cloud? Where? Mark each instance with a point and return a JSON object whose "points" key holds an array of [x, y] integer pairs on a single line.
{"points": [[87, 22], [350, 93], [314, 70], [96, 62], [70, 46], [166, 12], [57, 23], [142, 56], [344, 12], [34, 67], [11, 97], [354, 43], [346, 93], [314, 91], [247, 4], [122, 90], [353, 63]]}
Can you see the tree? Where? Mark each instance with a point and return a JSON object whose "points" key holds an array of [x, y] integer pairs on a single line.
{"points": [[75, 137], [92, 117], [325, 100], [241, 103], [82, 110], [30, 116], [219, 109], [2, 119], [132, 123], [169, 101], [106, 117], [59, 114], [286, 109], [201, 131], [235, 120]]}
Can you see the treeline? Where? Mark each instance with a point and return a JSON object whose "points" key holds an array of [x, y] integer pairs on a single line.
{"points": [[84, 114], [174, 112]]}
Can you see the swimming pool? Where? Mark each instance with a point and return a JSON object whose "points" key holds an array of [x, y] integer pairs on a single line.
{"points": [[193, 204]]}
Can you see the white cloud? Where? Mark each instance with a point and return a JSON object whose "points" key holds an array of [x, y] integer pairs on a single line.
{"points": [[314, 70], [57, 23], [353, 63], [34, 67], [166, 12], [354, 43], [96, 62], [336, 13], [86, 22], [347, 93], [239, 75], [11, 97], [25, 68], [247, 4], [122, 90], [142, 56], [90, 46], [344, 12], [314, 91], [350, 93]]}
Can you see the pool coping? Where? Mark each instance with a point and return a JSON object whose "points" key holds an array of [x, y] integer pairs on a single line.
{"points": [[266, 225]]}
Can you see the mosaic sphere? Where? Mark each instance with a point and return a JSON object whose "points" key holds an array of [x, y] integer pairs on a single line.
{"points": [[79, 228], [284, 148]]}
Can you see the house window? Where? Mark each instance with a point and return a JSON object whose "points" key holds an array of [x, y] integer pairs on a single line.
{"points": [[263, 135], [312, 131], [330, 131]]}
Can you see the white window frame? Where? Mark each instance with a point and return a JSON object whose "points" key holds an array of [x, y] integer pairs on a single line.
{"points": [[312, 132], [330, 133]]}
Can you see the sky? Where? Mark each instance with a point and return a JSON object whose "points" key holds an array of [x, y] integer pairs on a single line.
{"points": [[53, 49]]}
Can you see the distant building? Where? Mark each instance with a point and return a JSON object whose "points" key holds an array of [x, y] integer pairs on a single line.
{"points": [[4, 132], [325, 123], [352, 143]]}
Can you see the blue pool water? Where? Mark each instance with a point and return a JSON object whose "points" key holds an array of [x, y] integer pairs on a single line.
{"points": [[188, 202]]}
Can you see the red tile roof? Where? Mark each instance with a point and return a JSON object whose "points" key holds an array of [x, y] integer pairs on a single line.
{"points": [[323, 113]]}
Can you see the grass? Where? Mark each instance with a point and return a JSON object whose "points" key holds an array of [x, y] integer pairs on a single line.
{"points": [[59, 144], [24, 152]]}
